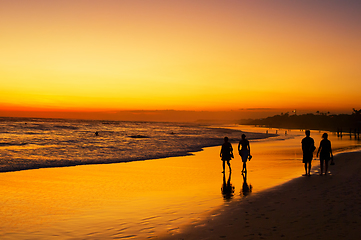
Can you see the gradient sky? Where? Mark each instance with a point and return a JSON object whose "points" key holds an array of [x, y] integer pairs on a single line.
{"points": [[182, 55]]}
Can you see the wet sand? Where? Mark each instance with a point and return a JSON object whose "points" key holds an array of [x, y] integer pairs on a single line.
{"points": [[134, 200], [315, 207], [181, 195]]}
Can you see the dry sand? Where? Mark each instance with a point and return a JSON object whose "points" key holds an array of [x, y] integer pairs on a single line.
{"points": [[315, 207]]}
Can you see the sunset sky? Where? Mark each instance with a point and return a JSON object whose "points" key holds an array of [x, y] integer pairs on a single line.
{"points": [[110, 55]]}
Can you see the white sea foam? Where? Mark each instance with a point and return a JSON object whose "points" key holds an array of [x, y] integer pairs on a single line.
{"points": [[36, 143]]}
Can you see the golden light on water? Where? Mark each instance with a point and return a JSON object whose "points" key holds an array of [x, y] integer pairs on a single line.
{"points": [[144, 198]]}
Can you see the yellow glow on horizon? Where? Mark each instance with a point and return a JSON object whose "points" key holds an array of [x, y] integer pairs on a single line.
{"points": [[185, 56]]}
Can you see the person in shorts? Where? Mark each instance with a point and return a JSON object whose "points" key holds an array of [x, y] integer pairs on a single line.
{"points": [[226, 153], [244, 151], [308, 147]]}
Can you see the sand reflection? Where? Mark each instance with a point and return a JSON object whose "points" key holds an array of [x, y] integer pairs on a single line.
{"points": [[227, 187], [246, 188], [138, 199]]}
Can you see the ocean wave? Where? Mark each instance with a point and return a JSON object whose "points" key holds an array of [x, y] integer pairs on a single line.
{"points": [[6, 144], [68, 143], [139, 136], [66, 127]]}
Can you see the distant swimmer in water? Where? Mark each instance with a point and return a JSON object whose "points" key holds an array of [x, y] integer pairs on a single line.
{"points": [[244, 150], [226, 153], [96, 134], [325, 152]]}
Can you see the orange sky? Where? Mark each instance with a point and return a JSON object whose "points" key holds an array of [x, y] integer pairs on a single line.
{"points": [[183, 55]]}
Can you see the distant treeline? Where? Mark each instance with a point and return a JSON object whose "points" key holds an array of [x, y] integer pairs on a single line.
{"points": [[319, 121]]}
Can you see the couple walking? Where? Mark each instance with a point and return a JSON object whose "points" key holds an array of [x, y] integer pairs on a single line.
{"points": [[243, 149], [324, 150]]}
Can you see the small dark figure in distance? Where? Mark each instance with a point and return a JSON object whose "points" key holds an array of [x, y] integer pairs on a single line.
{"points": [[325, 152], [308, 147], [226, 153]]}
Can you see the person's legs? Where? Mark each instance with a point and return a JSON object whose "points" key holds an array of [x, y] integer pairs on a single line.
{"points": [[321, 166], [326, 166], [224, 164], [244, 168], [307, 168], [229, 165]]}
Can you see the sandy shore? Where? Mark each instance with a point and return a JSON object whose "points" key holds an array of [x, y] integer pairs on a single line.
{"points": [[184, 198], [315, 207]]}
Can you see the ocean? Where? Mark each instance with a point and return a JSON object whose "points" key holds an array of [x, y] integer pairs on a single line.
{"points": [[134, 199], [27, 143]]}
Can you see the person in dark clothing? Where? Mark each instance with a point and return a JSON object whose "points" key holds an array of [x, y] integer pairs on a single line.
{"points": [[325, 152], [226, 153], [308, 147], [244, 150]]}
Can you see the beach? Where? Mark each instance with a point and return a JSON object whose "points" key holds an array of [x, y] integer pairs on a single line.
{"points": [[184, 197], [315, 207]]}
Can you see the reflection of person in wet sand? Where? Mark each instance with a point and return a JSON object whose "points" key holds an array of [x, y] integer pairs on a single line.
{"points": [[244, 151], [325, 153], [308, 147], [226, 153], [246, 189], [227, 188]]}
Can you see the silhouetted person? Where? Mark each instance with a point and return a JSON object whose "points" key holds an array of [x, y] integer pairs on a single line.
{"points": [[96, 134], [325, 153], [246, 189], [227, 188], [244, 151], [308, 147], [226, 153]]}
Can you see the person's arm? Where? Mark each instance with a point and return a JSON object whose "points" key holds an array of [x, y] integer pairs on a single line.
{"points": [[220, 154], [318, 151], [249, 148], [239, 144], [331, 151]]}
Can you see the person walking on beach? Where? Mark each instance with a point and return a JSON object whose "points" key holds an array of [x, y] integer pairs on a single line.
{"points": [[244, 151], [325, 153], [226, 153], [308, 147]]}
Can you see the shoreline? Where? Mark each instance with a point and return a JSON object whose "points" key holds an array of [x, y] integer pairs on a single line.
{"points": [[140, 198], [316, 207], [145, 199], [183, 153]]}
